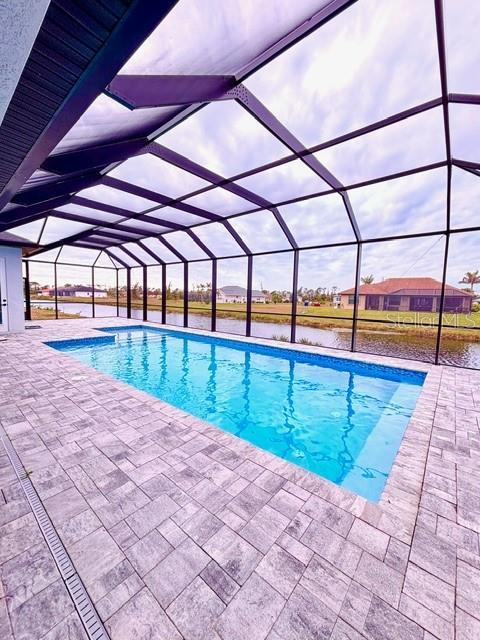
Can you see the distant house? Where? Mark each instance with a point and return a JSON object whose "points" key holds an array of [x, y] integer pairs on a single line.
{"points": [[407, 294], [239, 294], [79, 291]]}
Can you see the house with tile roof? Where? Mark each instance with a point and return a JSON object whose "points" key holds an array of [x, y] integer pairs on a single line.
{"points": [[408, 294]]}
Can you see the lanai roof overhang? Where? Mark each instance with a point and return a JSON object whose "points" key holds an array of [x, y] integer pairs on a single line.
{"points": [[173, 143]]}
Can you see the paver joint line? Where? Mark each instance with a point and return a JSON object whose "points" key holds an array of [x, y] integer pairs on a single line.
{"points": [[179, 529], [87, 613]]}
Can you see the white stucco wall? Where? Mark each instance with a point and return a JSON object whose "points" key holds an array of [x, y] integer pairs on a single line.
{"points": [[19, 25], [14, 288]]}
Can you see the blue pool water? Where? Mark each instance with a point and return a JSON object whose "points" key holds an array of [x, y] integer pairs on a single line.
{"points": [[341, 419]]}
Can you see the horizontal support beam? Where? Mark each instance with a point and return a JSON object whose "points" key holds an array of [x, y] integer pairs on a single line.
{"points": [[47, 192], [20, 215], [116, 235], [146, 91], [93, 157], [159, 198], [182, 162], [62, 215], [464, 98]]}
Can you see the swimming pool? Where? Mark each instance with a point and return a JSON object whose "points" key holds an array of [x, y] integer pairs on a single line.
{"points": [[341, 419]]}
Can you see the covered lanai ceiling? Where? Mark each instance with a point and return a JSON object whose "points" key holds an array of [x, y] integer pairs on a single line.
{"points": [[177, 131]]}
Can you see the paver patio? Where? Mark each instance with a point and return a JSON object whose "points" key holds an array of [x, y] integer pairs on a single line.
{"points": [[181, 530]]}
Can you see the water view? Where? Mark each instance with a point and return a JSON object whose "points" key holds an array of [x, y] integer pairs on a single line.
{"points": [[462, 353]]}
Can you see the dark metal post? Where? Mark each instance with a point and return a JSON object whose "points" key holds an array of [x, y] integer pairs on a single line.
{"points": [[55, 284], [442, 300], [118, 294], [248, 328], [214, 296], [93, 292], [145, 294], [164, 293], [293, 318], [129, 293], [185, 294], [358, 268], [28, 308]]}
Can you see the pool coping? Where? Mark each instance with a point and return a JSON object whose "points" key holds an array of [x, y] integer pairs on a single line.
{"points": [[396, 511]]}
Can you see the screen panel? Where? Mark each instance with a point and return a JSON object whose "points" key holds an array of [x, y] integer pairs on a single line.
{"points": [[232, 295], [153, 173], [272, 295], [155, 294], [399, 298], [460, 342], [105, 292], [411, 204], [75, 291], [211, 137], [218, 239], [260, 231], [322, 318], [174, 294], [322, 220], [286, 181], [358, 68], [462, 26], [221, 202], [200, 295], [414, 142]]}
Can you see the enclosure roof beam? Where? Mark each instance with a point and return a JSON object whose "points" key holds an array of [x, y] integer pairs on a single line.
{"points": [[237, 237], [200, 244], [93, 157], [114, 258], [20, 214], [150, 252], [62, 215], [58, 243], [182, 162], [258, 110], [147, 91], [123, 237], [47, 192], [132, 255], [464, 98], [115, 183], [172, 249], [139, 19]]}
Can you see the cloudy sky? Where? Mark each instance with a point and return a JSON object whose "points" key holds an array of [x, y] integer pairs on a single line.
{"points": [[373, 60]]}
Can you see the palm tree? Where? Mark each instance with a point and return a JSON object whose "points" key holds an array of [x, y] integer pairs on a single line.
{"points": [[471, 278], [368, 279]]}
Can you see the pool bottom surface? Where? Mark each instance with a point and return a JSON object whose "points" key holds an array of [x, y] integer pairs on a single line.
{"points": [[338, 418]]}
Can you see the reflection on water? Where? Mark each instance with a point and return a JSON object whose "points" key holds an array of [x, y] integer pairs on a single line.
{"points": [[461, 353], [338, 418]]}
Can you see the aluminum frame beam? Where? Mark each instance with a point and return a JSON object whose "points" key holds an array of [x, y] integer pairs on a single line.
{"points": [[139, 20], [149, 91]]}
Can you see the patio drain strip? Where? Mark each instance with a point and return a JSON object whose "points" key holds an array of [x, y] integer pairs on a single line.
{"points": [[83, 604]]}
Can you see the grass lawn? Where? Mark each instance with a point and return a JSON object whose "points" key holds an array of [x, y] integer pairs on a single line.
{"points": [[49, 314], [320, 317]]}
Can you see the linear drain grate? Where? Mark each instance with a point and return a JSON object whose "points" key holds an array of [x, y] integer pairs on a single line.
{"points": [[84, 606]]}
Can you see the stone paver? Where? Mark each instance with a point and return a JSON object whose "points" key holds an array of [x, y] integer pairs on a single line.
{"points": [[252, 612], [181, 530]]}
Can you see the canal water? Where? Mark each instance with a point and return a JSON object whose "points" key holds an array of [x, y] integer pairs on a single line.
{"points": [[461, 353]]}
